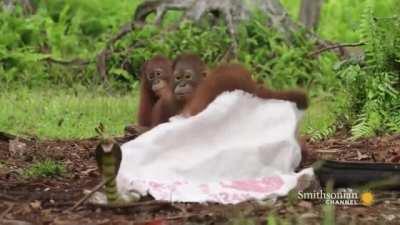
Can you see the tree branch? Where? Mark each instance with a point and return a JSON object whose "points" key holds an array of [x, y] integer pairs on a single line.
{"points": [[85, 197], [102, 57], [319, 51]]}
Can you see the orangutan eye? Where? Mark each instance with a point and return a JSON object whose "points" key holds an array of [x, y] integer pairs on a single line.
{"points": [[178, 77], [188, 75], [150, 76]]}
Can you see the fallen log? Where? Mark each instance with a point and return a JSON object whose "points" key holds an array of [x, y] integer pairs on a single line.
{"points": [[382, 176]]}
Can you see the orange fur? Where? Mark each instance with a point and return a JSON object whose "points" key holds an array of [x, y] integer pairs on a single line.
{"points": [[231, 77], [169, 105], [148, 98]]}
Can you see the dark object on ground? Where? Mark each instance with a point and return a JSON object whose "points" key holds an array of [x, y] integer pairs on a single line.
{"points": [[6, 136], [354, 174]]}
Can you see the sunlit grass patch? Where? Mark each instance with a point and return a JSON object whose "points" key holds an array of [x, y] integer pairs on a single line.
{"points": [[61, 113], [47, 168]]}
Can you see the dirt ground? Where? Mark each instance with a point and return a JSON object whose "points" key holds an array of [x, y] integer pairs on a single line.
{"points": [[46, 200]]}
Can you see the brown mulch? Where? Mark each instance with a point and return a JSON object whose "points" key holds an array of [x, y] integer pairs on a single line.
{"points": [[45, 200]]}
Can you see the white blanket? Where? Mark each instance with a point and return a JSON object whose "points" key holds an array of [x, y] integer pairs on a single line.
{"points": [[241, 147]]}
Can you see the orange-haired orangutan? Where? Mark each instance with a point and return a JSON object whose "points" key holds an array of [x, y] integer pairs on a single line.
{"points": [[193, 88], [188, 72], [231, 77], [154, 77]]}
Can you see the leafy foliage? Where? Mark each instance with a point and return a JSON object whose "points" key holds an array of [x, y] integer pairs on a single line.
{"points": [[375, 86], [359, 95], [59, 29]]}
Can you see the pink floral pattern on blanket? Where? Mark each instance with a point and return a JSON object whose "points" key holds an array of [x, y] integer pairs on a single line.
{"points": [[264, 185], [225, 192]]}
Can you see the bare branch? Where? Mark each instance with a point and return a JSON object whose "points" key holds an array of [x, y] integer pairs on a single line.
{"points": [[102, 57], [96, 188], [319, 51]]}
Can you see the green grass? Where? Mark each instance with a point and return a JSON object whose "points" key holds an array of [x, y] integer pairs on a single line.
{"points": [[61, 113], [46, 168], [74, 113]]}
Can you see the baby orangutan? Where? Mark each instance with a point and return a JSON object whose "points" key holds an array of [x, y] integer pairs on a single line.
{"points": [[155, 75]]}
